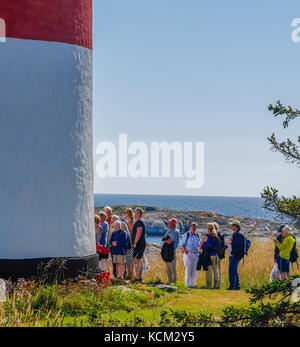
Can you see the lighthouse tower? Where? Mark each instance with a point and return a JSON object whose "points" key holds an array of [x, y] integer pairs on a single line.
{"points": [[46, 174]]}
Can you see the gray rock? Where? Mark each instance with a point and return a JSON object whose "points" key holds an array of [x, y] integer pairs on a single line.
{"points": [[152, 251]]}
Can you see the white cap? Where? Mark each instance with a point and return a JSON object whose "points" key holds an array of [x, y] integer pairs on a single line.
{"points": [[237, 223]]}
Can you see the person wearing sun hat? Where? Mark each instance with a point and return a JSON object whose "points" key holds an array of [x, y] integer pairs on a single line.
{"points": [[172, 237], [236, 252]]}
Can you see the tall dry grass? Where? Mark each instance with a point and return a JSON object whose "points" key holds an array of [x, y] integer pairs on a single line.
{"points": [[35, 304], [38, 305], [255, 270], [19, 308]]}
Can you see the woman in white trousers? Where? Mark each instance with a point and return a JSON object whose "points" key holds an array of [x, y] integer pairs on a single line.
{"points": [[190, 243]]}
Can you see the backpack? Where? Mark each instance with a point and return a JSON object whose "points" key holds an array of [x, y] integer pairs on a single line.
{"points": [[294, 253], [188, 236], [221, 253], [247, 246], [214, 244]]}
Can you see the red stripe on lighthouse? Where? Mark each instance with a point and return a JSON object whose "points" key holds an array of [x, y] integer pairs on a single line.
{"points": [[67, 21]]}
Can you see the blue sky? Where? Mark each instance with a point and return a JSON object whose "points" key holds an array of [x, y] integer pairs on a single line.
{"points": [[174, 70]]}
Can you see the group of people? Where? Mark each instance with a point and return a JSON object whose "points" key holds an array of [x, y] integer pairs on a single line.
{"points": [[125, 243], [206, 252]]}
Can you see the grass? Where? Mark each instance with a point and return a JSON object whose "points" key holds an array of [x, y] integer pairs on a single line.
{"points": [[255, 270], [196, 300], [208, 301], [84, 303], [31, 304]]}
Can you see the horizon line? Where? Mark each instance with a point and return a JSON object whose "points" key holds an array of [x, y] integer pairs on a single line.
{"points": [[182, 195]]}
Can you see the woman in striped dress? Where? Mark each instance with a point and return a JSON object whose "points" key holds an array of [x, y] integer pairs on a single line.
{"points": [[129, 255]]}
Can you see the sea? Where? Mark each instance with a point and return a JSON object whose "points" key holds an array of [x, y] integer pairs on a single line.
{"points": [[228, 206]]}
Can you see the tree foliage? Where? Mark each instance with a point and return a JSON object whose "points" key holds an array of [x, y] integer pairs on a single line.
{"points": [[278, 311], [270, 306], [284, 207], [279, 110]]}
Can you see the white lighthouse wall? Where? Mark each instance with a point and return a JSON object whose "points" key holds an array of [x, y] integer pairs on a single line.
{"points": [[46, 173]]}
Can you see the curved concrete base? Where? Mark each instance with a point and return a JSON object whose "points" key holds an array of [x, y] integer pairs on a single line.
{"points": [[48, 269]]}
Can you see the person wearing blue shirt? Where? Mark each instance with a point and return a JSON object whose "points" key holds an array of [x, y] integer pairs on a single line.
{"points": [[172, 237], [236, 249], [119, 247], [103, 239], [104, 226], [190, 243], [98, 231]]}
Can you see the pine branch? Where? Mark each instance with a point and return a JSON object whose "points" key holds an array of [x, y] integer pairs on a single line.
{"points": [[279, 110], [288, 149], [282, 206]]}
